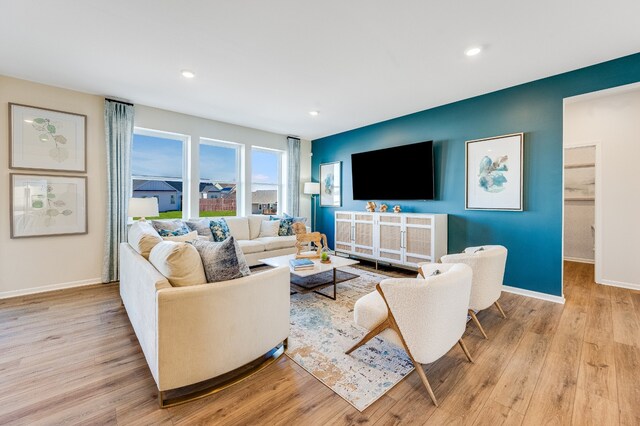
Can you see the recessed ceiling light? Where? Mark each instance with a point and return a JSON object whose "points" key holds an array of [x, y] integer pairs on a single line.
{"points": [[28, 121], [314, 113], [188, 74], [473, 51]]}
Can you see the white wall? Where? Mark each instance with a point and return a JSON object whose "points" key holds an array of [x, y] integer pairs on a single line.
{"points": [[579, 216], [36, 264], [196, 128], [611, 119], [29, 264]]}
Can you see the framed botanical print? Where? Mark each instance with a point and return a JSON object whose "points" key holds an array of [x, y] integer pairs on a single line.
{"points": [[494, 171], [47, 205], [331, 184], [46, 139]]}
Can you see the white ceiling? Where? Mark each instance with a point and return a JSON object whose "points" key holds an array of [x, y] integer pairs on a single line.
{"points": [[266, 64]]}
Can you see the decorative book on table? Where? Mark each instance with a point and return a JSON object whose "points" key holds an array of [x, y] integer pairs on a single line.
{"points": [[300, 264]]}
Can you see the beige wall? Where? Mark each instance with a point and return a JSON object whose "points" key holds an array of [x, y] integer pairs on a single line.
{"points": [[609, 120], [36, 264], [29, 264]]}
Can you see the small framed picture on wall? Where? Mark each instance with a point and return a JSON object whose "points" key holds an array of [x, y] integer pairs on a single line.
{"points": [[494, 171], [331, 184], [47, 205], [46, 139]]}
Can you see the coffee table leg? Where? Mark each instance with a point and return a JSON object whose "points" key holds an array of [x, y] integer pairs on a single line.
{"points": [[334, 283], [334, 288]]}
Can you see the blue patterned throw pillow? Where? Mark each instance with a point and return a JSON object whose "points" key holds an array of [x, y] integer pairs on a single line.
{"points": [[173, 232], [285, 226], [219, 230]]}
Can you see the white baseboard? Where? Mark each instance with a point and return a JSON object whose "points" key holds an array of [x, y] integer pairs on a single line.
{"points": [[620, 284], [534, 294], [53, 287], [579, 260]]}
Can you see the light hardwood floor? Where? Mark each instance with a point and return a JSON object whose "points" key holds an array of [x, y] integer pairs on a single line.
{"points": [[71, 357]]}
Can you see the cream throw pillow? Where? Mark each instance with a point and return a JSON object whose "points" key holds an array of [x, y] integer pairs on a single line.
{"points": [[269, 228], [183, 238], [142, 237], [179, 262]]}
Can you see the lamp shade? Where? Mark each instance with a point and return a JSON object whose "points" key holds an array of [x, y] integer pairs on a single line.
{"points": [[312, 188], [143, 207]]}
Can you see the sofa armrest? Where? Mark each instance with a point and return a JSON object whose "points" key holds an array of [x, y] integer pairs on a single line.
{"points": [[208, 330], [139, 283]]}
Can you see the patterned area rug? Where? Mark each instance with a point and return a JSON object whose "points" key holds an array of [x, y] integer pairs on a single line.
{"points": [[323, 329]]}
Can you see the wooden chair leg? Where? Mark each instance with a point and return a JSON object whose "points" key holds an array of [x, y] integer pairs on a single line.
{"points": [[370, 335], [425, 382], [475, 319], [500, 309], [465, 350]]}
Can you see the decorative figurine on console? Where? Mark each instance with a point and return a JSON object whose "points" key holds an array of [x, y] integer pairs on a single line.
{"points": [[304, 239], [383, 208], [371, 206], [397, 209]]}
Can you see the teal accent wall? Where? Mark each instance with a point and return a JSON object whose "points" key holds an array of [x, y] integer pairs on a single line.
{"points": [[534, 236]]}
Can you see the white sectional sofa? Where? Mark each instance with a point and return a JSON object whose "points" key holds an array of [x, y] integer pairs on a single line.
{"points": [[194, 333], [246, 230]]}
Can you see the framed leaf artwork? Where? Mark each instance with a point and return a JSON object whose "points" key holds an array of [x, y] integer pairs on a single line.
{"points": [[47, 205], [46, 139]]}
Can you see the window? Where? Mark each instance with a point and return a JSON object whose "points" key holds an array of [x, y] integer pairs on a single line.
{"points": [[219, 178], [158, 169], [266, 181]]}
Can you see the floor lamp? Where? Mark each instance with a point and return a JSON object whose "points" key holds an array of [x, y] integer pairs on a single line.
{"points": [[313, 189]]}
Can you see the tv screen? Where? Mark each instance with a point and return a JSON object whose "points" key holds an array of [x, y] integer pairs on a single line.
{"points": [[399, 173]]}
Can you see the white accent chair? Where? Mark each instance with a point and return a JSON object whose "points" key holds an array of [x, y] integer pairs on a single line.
{"points": [[488, 263], [425, 316]]}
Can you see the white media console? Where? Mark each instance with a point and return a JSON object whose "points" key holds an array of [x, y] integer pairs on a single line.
{"points": [[402, 239]]}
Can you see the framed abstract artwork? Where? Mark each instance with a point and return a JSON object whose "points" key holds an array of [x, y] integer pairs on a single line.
{"points": [[46, 139], [494, 171], [331, 184], [47, 205]]}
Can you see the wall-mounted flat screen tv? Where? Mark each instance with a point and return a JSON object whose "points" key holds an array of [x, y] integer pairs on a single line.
{"points": [[400, 173]]}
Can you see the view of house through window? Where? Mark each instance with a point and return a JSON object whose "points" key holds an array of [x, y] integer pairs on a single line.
{"points": [[266, 181], [219, 177], [157, 168]]}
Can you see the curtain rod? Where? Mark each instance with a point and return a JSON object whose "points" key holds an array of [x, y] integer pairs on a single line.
{"points": [[120, 102]]}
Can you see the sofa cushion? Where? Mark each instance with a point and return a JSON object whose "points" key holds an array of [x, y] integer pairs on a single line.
{"points": [[255, 221], [170, 225], [269, 228], [179, 262], [275, 243], [251, 246], [219, 229], [142, 237], [222, 261], [285, 226], [201, 227], [296, 218], [183, 230], [238, 227], [189, 236]]}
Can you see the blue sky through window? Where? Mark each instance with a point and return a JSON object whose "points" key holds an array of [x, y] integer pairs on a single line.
{"points": [[162, 157], [264, 167], [153, 156], [218, 163]]}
